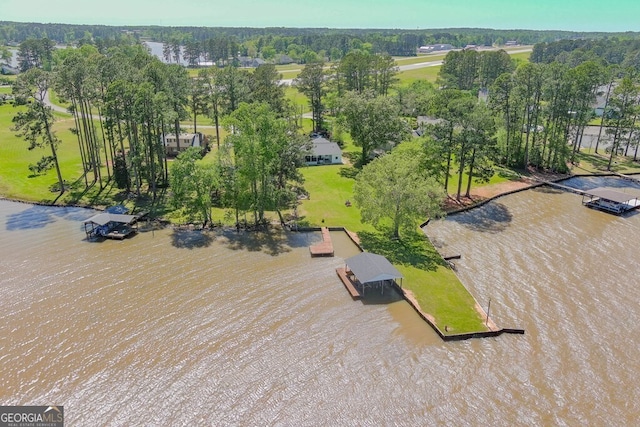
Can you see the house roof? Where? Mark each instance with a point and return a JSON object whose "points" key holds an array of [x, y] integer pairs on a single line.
{"points": [[369, 267], [105, 218], [324, 147], [611, 195]]}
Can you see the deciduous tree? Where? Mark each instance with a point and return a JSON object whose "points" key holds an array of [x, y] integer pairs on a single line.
{"points": [[393, 189]]}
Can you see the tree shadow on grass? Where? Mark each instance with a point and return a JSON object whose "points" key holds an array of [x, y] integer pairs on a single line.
{"points": [[412, 250], [349, 172], [490, 218]]}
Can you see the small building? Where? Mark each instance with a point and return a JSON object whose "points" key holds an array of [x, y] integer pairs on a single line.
{"points": [[323, 152], [175, 146]]}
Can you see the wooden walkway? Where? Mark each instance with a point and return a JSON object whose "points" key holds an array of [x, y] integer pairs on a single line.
{"points": [[627, 177], [342, 273], [325, 248], [563, 187]]}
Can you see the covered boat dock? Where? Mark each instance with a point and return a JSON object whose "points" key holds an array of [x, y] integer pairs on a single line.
{"points": [[368, 270], [110, 226], [611, 201]]}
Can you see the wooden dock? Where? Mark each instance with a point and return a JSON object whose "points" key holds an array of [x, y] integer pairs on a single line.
{"points": [[346, 281], [324, 248]]}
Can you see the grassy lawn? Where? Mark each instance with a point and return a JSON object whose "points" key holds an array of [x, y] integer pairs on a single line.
{"points": [[298, 99], [522, 56], [429, 74], [289, 67], [329, 187], [589, 162], [440, 293], [286, 75], [16, 180]]}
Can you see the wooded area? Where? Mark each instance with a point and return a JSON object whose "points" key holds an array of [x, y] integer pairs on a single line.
{"points": [[484, 110]]}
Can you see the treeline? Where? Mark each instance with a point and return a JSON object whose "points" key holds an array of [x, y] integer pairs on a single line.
{"points": [[126, 102], [539, 110], [613, 50], [294, 42]]}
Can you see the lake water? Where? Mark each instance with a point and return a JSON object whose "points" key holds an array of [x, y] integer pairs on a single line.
{"points": [[177, 328]]}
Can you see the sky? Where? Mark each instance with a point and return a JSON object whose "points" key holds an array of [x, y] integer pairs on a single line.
{"points": [[571, 15]]}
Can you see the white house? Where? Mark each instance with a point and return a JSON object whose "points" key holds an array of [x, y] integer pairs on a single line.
{"points": [[323, 152], [186, 140]]}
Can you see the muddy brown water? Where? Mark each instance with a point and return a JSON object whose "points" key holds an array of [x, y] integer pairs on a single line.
{"points": [[173, 328]]}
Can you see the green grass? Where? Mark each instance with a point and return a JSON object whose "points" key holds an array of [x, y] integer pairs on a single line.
{"points": [[590, 162], [16, 180], [300, 101], [55, 99], [501, 175], [5, 89], [329, 187], [523, 56], [290, 74], [440, 294], [289, 67], [430, 74]]}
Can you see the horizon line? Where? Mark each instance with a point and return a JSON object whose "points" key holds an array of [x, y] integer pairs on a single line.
{"points": [[325, 27]]}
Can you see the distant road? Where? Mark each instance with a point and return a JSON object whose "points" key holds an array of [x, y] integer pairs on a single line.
{"points": [[416, 66]]}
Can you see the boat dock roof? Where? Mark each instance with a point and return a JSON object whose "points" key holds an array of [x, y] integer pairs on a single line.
{"points": [[611, 201], [611, 195], [105, 218]]}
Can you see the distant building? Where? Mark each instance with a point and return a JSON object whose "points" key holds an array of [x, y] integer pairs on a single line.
{"points": [[323, 152], [246, 61], [423, 123], [186, 140], [284, 60], [6, 69], [434, 48], [511, 43]]}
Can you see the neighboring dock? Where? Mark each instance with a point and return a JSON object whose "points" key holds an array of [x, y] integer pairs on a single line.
{"points": [[324, 248]]}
